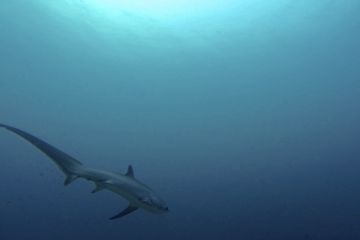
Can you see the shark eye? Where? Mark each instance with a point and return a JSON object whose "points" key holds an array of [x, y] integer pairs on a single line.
{"points": [[146, 201]]}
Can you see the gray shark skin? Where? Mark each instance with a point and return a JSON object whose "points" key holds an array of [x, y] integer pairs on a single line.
{"points": [[138, 194]]}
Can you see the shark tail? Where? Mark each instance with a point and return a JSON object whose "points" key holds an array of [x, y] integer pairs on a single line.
{"points": [[68, 165]]}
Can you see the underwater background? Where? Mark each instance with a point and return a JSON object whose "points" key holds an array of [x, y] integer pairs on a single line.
{"points": [[242, 114]]}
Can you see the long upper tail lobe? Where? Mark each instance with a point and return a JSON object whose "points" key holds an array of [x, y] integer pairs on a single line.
{"points": [[69, 165]]}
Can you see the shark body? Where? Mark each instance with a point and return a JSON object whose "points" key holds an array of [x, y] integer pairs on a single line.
{"points": [[126, 185]]}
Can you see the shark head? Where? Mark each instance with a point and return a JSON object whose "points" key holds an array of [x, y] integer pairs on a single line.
{"points": [[153, 203], [143, 196]]}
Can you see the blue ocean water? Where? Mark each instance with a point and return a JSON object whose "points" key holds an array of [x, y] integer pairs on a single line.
{"points": [[243, 115]]}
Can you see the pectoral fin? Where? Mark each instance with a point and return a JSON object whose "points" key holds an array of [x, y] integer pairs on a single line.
{"points": [[98, 187], [126, 211], [69, 179]]}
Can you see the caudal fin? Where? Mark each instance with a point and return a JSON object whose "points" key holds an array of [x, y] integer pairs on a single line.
{"points": [[68, 165]]}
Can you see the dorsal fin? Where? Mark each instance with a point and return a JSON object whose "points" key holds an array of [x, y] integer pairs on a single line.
{"points": [[130, 172]]}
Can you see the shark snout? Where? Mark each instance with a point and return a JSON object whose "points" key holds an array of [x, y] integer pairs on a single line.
{"points": [[161, 208], [164, 208]]}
